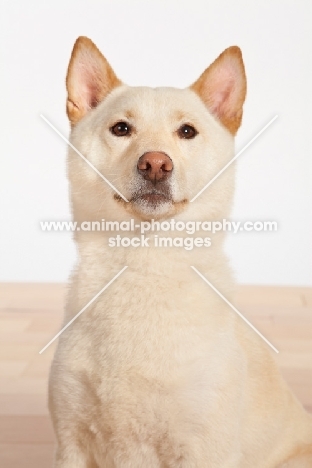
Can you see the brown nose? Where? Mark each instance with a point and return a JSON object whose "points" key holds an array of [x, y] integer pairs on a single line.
{"points": [[155, 166]]}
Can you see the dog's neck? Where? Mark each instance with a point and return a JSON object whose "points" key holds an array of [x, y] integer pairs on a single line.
{"points": [[95, 255]]}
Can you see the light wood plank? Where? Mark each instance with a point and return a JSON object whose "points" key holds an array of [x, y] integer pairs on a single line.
{"points": [[26, 429], [26, 455]]}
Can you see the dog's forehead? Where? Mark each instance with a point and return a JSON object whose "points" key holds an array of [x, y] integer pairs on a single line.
{"points": [[138, 100]]}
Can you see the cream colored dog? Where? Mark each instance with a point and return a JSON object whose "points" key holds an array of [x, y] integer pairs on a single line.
{"points": [[159, 372]]}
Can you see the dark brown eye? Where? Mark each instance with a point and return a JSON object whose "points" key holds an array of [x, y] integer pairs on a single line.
{"points": [[121, 129], [187, 131]]}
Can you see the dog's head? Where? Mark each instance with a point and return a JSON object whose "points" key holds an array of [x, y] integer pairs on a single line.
{"points": [[157, 146]]}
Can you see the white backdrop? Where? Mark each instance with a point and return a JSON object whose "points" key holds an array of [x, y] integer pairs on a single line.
{"points": [[159, 43]]}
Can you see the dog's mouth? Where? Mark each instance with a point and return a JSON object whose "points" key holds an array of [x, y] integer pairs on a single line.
{"points": [[152, 198], [152, 202]]}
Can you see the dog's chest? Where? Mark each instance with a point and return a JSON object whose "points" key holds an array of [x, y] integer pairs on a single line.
{"points": [[148, 401]]}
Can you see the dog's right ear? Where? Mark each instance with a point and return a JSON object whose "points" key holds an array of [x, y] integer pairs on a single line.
{"points": [[89, 79], [222, 87]]}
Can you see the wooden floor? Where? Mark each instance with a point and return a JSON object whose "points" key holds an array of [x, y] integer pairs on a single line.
{"points": [[30, 315]]}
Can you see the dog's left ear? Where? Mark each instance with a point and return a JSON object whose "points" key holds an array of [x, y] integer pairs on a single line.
{"points": [[89, 79], [222, 87]]}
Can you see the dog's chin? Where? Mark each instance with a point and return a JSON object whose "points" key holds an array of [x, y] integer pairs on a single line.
{"points": [[152, 205]]}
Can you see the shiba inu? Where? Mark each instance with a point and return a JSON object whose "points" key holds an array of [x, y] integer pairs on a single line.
{"points": [[158, 372]]}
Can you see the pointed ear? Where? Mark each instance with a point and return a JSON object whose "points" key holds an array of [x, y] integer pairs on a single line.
{"points": [[89, 79], [222, 87]]}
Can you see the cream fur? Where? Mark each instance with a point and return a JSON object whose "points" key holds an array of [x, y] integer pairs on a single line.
{"points": [[159, 372]]}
